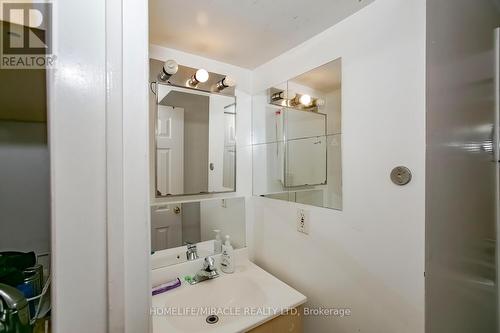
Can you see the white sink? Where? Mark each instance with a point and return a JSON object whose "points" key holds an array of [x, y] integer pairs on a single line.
{"points": [[242, 301]]}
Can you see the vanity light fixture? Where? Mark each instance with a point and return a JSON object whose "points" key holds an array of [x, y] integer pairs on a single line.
{"points": [[225, 83], [170, 67], [298, 101], [200, 76]]}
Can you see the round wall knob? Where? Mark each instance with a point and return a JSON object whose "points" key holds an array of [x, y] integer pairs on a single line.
{"points": [[401, 175]]}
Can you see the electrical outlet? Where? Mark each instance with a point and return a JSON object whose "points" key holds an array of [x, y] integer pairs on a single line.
{"points": [[303, 221]]}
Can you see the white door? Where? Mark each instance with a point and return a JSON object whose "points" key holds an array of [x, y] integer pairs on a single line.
{"points": [[166, 227], [216, 133], [229, 163], [170, 151]]}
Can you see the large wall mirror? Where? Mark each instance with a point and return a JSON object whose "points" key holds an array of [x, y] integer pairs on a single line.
{"points": [[193, 151], [297, 139], [194, 141]]}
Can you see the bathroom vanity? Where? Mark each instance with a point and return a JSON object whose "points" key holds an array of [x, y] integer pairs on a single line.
{"points": [[249, 300]]}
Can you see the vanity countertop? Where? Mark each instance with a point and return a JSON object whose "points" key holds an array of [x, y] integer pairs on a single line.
{"points": [[242, 301]]}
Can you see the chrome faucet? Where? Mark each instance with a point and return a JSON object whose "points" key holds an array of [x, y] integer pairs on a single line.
{"points": [[208, 271], [191, 253]]}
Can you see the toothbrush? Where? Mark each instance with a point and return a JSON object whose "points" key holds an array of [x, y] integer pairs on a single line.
{"points": [[166, 287]]}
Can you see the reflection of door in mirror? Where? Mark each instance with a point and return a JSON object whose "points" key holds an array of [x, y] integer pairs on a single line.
{"points": [[229, 165], [195, 142], [174, 225], [170, 150], [222, 150], [187, 122], [166, 227]]}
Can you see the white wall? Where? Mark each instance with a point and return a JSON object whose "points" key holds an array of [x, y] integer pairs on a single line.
{"points": [[370, 256]]}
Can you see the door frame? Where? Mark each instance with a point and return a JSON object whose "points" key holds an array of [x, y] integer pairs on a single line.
{"points": [[129, 285], [98, 141]]}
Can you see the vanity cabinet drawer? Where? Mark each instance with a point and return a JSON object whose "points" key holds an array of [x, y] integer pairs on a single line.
{"points": [[290, 323]]}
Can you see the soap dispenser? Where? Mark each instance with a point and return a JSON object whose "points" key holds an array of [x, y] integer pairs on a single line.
{"points": [[227, 261]]}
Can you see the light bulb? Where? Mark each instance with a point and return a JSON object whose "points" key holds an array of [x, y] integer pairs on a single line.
{"points": [[228, 81], [277, 96], [319, 102], [170, 67], [305, 100], [225, 83], [201, 75]]}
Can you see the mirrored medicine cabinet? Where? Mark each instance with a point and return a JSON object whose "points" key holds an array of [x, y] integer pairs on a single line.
{"points": [[297, 137], [193, 158], [193, 135]]}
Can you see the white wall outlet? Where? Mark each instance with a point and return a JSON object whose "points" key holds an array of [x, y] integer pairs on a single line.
{"points": [[303, 221]]}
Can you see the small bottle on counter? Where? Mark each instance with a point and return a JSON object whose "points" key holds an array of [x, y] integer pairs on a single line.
{"points": [[227, 260]]}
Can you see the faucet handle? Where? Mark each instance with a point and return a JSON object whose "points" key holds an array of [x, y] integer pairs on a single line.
{"points": [[209, 264]]}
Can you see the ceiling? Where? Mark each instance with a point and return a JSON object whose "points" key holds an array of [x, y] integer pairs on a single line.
{"points": [[326, 78], [245, 33]]}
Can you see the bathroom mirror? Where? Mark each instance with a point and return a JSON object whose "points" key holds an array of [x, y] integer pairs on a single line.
{"points": [[194, 138], [175, 225], [297, 139]]}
